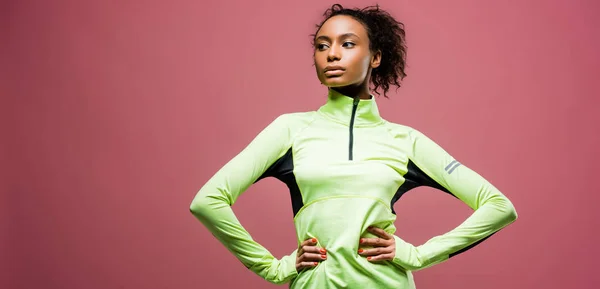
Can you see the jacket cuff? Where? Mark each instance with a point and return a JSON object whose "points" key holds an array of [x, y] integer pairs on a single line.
{"points": [[407, 255]]}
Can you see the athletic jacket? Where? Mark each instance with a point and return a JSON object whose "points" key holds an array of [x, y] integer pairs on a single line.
{"points": [[345, 167]]}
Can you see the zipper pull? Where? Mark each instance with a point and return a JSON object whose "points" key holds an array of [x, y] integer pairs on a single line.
{"points": [[356, 100]]}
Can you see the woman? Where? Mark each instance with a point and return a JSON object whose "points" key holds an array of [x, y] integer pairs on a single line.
{"points": [[345, 167]]}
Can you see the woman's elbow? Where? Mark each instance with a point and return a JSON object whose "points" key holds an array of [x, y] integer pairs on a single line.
{"points": [[510, 211], [199, 205], [195, 207], [206, 202]]}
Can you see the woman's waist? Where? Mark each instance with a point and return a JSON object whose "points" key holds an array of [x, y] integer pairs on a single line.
{"points": [[339, 222], [353, 271]]}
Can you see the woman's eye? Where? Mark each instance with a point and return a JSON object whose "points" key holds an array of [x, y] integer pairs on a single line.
{"points": [[321, 46], [348, 44]]}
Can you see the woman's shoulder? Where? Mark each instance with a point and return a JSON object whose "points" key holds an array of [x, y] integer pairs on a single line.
{"points": [[399, 127], [406, 131], [296, 117], [293, 121]]}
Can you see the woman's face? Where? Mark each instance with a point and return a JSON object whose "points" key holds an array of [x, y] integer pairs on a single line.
{"points": [[342, 55]]}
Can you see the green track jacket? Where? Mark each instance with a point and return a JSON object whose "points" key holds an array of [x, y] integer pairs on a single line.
{"points": [[345, 167]]}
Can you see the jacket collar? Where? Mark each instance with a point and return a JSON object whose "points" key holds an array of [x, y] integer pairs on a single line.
{"points": [[339, 108]]}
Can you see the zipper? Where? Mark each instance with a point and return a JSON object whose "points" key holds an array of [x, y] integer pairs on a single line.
{"points": [[351, 140]]}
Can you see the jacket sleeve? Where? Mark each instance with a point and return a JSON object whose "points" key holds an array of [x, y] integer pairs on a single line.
{"points": [[212, 204], [434, 167]]}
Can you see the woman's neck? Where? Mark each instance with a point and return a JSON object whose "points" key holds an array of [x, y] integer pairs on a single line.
{"points": [[359, 91]]}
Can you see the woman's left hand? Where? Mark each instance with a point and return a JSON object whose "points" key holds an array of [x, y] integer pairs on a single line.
{"points": [[384, 247]]}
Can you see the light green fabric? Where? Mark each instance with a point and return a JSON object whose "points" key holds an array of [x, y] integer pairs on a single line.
{"points": [[342, 197]]}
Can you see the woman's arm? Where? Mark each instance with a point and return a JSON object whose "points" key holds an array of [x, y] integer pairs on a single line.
{"points": [[433, 166], [212, 204]]}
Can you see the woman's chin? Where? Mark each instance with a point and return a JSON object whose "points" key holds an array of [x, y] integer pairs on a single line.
{"points": [[335, 82]]}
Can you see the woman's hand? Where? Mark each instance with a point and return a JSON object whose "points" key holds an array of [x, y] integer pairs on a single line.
{"points": [[385, 246], [309, 255]]}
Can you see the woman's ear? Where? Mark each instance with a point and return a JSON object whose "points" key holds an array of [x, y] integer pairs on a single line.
{"points": [[376, 59]]}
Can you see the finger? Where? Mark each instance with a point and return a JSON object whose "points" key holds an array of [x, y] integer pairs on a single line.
{"points": [[381, 257], [305, 243], [380, 232], [311, 257], [309, 242], [377, 242], [305, 265], [375, 251], [313, 249]]}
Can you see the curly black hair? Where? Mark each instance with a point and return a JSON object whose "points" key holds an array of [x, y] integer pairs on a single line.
{"points": [[386, 34]]}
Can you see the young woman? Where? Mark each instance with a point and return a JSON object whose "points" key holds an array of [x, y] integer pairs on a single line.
{"points": [[345, 167]]}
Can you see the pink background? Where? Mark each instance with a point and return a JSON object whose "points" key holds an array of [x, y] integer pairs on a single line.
{"points": [[114, 115]]}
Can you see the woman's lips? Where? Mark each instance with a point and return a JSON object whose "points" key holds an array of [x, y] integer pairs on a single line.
{"points": [[334, 72]]}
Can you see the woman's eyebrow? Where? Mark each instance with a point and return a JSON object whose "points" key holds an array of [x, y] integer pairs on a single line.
{"points": [[345, 35]]}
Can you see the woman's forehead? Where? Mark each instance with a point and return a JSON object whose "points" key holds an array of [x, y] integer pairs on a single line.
{"points": [[342, 25]]}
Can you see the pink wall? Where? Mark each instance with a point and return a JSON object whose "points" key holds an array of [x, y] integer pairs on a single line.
{"points": [[116, 114]]}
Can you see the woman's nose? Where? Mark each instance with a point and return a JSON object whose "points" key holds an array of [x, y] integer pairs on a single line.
{"points": [[333, 54]]}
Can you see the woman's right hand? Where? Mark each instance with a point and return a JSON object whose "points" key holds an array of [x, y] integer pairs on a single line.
{"points": [[309, 255]]}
